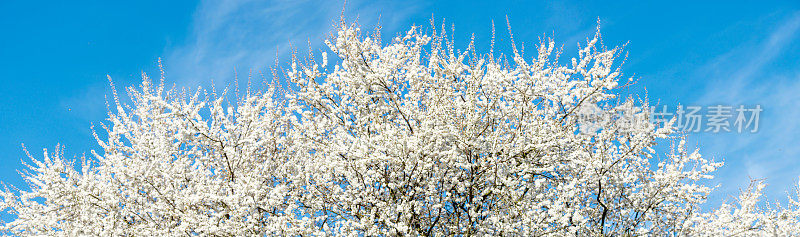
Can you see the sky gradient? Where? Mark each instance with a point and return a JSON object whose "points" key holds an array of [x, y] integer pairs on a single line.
{"points": [[56, 55]]}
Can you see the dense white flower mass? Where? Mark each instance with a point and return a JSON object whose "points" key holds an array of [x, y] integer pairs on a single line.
{"points": [[410, 137]]}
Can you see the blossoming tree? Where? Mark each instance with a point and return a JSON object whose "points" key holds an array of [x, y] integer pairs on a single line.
{"points": [[409, 137]]}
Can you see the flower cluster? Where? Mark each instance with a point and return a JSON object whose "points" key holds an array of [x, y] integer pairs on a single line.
{"points": [[411, 137]]}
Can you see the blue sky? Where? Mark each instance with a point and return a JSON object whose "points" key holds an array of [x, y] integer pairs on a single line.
{"points": [[56, 55]]}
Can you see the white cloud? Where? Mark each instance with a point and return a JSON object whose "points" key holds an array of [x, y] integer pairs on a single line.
{"points": [[248, 35], [743, 76]]}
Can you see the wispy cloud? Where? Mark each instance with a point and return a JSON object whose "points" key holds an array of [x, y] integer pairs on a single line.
{"points": [[249, 35], [737, 70], [743, 77]]}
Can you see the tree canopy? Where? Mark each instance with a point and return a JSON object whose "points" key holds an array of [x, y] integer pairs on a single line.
{"points": [[409, 137]]}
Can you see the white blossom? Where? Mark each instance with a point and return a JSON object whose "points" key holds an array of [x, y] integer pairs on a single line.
{"points": [[411, 137]]}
